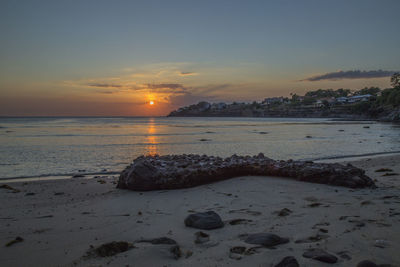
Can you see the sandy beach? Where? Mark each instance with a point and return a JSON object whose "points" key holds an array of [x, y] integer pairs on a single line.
{"points": [[57, 221]]}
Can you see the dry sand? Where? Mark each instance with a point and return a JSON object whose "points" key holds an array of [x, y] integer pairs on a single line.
{"points": [[60, 221]]}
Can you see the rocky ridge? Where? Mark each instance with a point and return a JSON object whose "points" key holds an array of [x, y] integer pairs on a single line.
{"points": [[182, 171]]}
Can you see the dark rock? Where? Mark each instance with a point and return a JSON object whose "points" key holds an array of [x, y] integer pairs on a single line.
{"points": [[265, 239], [311, 239], [283, 212], [30, 194], [111, 249], [6, 186], [78, 176], [239, 221], [344, 255], [390, 174], [204, 220], [383, 170], [158, 241], [18, 239], [313, 205], [176, 252], [288, 261], [183, 171], [320, 255], [201, 237], [238, 250], [366, 263]]}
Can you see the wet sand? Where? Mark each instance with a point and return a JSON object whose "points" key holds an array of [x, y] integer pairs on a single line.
{"points": [[59, 221]]}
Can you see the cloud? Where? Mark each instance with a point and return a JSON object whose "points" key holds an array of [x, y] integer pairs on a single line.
{"points": [[187, 73], [105, 85], [351, 74], [165, 85]]}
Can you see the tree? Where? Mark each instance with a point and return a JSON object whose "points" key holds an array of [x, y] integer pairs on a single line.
{"points": [[368, 91], [395, 80]]}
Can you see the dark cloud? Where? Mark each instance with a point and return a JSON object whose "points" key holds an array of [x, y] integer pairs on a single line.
{"points": [[166, 85], [105, 85], [183, 73], [351, 74]]}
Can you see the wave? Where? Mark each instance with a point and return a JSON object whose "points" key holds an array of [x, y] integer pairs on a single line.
{"points": [[355, 155], [60, 175]]}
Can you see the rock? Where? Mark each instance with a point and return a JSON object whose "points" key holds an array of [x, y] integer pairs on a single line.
{"points": [[110, 249], [313, 205], [265, 239], [320, 255], [204, 220], [30, 194], [383, 170], [283, 212], [6, 186], [288, 261], [183, 171], [158, 241], [311, 239], [380, 243], [366, 263], [78, 176], [18, 239], [236, 252], [176, 252], [201, 237], [239, 221]]}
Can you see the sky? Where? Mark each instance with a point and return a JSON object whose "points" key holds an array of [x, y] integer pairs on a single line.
{"points": [[110, 58]]}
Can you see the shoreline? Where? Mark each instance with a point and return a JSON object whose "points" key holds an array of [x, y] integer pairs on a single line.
{"points": [[333, 159], [59, 220]]}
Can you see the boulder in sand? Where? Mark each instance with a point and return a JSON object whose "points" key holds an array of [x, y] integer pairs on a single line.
{"points": [[204, 220]]}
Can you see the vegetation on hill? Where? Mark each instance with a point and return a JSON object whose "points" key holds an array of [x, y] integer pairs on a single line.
{"points": [[369, 102]]}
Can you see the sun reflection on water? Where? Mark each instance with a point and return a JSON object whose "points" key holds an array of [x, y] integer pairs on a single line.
{"points": [[151, 140]]}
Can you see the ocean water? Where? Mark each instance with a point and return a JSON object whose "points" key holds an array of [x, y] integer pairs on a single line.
{"points": [[31, 147]]}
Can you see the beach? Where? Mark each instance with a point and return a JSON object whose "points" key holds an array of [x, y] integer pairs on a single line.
{"points": [[59, 221]]}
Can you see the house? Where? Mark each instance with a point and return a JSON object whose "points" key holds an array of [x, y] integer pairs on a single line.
{"points": [[218, 106], [320, 102], [359, 98], [273, 100], [342, 99]]}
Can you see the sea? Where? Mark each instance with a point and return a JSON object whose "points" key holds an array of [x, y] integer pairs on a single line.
{"points": [[65, 146]]}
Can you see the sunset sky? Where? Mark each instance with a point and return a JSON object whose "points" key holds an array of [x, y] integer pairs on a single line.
{"points": [[110, 58]]}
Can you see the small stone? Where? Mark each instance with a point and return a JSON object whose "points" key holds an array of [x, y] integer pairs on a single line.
{"points": [[176, 252], [283, 212], [320, 255], [158, 241], [381, 243], [366, 263], [288, 261], [239, 221], [18, 239], [111, 249], [238, 250], [201, 237], [204, 220], [265, 239]]}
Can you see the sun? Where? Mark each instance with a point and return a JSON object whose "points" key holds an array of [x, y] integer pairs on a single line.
{"points": [[151, 102]]}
